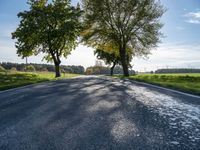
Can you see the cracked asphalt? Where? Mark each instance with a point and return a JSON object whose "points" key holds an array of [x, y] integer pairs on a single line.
{"points": [[103, 113]]}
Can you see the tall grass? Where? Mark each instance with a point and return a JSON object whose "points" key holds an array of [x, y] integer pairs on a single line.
{"points": [[184, 82]]}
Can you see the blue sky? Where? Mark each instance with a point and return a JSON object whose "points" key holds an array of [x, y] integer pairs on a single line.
{"points": [[179, 48]]}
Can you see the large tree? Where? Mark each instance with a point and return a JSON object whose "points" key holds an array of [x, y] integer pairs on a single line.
{"points": [[49, 27], [108, 58], [128, 24]]}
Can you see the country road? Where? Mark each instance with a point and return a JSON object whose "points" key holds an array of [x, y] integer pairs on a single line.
{"points": [[103, 113]]}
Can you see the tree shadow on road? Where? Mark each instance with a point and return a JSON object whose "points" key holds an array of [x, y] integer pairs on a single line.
{"points": [[90, 113]]}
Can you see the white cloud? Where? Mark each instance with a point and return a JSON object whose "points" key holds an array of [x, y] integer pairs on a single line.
{"points": [[193, 21], [8, 54], [193, 17], [171, 55], [81, 56]]}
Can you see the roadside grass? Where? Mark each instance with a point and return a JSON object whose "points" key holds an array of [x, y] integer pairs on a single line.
{"points": [[10, 80], [189, 83]]}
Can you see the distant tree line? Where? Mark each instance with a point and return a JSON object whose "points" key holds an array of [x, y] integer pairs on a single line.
{"points": [[73, 69], [42, 67], [178, 70], [102, 70], [31, 67]]}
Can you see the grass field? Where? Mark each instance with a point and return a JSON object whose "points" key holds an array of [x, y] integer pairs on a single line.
{"points": [[16, 79], [189, 83]]}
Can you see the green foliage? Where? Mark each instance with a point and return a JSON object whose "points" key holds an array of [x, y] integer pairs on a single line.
{"points": [[13, 69], [30, 68], [50, 28], [2, 69], [74, 69], [108, 58], [131, 26]]}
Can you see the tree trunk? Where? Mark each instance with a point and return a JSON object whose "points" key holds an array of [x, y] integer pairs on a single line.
{"points": [[112, 69], [57, 62], [125, 68], [57, 70], [124, 61]]}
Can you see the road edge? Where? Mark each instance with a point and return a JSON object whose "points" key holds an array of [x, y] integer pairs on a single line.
{"points": [[160, 87], [34, 84]]}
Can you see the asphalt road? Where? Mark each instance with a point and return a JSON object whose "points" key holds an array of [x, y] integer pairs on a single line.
{"points": [[89, 113]]}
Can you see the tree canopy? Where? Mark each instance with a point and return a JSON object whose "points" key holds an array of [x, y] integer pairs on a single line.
{"points": [[110, 58], [49, 27], [132, 26]]}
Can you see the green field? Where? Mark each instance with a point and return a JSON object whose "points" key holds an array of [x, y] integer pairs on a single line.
{"points": [[10, 80], [189, 83]]}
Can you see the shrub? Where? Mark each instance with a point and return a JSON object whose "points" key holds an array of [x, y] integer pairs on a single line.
{"points": [[30, 68], [44, 70], [13, 69]]}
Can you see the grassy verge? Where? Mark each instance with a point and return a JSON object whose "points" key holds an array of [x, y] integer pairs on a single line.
{"points": [[16, 79], [189, 83]]}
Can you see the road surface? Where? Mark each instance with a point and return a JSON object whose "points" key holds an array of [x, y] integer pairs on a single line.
{"points": [[91, 112]]}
